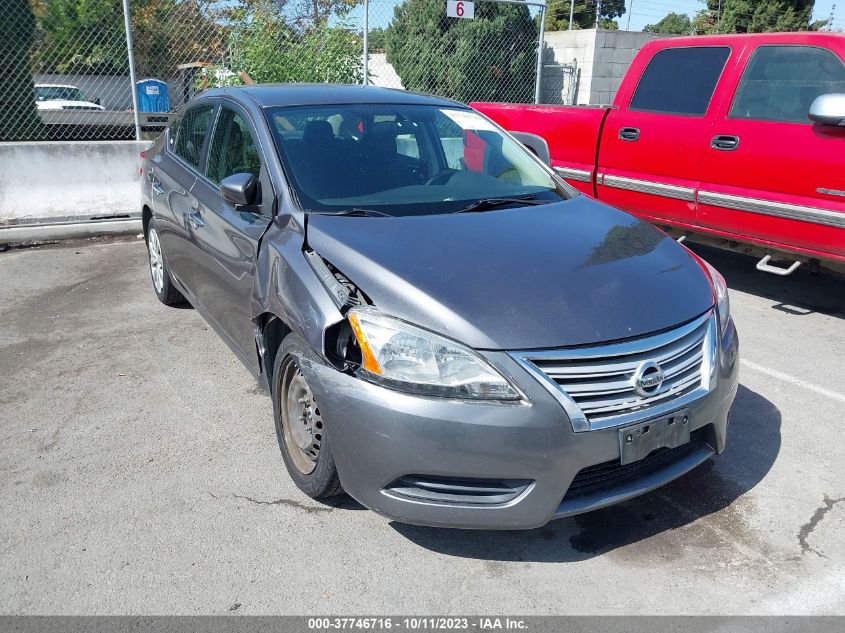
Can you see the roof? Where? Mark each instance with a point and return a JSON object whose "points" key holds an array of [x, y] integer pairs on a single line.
{"points": [[273, 95], [808, 38]]}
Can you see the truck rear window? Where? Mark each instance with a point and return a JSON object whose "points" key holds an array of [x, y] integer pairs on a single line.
{"points": [[680, 80]]}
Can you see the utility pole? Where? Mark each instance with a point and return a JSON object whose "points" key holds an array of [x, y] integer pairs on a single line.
{"points": [[718, 17], [598, 12], [630, 11], [830, 19], [571, 12]]}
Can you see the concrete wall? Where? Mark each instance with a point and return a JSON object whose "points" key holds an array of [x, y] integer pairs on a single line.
{"points": [[603, 58], [40, 181]]}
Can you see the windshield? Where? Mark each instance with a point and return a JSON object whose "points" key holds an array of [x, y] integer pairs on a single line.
{"points": [[58, 93], [404, 160]]}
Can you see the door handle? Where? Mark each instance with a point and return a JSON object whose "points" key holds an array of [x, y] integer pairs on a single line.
{"points": [[196, 219], [725, 143], [629, 134]]}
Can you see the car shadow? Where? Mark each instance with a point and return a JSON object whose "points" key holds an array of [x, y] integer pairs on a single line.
{"points": [[799, 294], [712, 490]]}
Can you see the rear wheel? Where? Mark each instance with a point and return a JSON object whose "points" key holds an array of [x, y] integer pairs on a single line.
{"points": [[162, 283], [302, 435]]}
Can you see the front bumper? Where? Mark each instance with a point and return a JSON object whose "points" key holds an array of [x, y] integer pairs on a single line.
{"points": [[379, 436]]}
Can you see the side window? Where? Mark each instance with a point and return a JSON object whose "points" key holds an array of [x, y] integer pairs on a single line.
{"points": [[680, 80], [781, 82], [233, 150], [190, 136]]}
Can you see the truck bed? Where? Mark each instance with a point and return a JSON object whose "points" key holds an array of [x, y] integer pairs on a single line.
{"points": [[571, 133]]}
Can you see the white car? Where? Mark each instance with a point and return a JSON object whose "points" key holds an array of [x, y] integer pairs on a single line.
{"points": [[62, 97]]}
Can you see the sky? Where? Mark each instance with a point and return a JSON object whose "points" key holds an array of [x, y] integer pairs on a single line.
{"points": [[651, 11]]}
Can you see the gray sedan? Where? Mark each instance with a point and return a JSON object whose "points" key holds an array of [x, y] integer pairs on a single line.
{"points": [[450, 333]]}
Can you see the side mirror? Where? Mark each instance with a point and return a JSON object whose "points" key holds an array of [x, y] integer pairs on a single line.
{"points": [[239, 189], [828, 110], [97, 101]]}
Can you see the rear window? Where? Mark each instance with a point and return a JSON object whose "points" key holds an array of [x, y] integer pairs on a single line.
{"points": [[680, 80], [191, 133]]}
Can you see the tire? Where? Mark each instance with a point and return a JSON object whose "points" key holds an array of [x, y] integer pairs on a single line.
{"points": [[159, 272], [303, 440]]}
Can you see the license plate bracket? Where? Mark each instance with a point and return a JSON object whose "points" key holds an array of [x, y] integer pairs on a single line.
{"points": [[638, 440]]}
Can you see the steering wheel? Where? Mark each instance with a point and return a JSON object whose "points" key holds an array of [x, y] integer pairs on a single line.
{"points": [[441, 177]]}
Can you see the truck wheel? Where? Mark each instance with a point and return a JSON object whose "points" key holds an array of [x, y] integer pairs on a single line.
{"points": [[305, 445], [162, 283]]}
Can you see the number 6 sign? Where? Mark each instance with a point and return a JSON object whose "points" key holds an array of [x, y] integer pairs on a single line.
{"points": [[460, 9]]}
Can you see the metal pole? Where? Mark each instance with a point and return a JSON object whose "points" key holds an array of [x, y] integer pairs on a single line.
{"points": [[366, 42], [129, 51], [630, 11], [571, 12], [719, 17], [598, 13], [538, 83]]}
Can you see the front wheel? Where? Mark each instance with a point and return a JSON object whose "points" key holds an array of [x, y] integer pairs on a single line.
{"points": [[303, 438], [160, 273]]}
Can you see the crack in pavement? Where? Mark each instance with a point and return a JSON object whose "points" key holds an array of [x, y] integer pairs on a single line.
{"points": [[807, 528], [287, 502]]}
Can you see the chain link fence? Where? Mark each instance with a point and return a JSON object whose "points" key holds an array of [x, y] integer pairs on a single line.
{"points": [[73, 74]]}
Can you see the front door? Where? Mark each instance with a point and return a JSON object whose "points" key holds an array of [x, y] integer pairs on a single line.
{"points": [[779, 179], [651, 148], [226, 237]]}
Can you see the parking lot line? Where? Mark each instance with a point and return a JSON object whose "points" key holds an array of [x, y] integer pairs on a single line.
{"points": [[774, 373]]}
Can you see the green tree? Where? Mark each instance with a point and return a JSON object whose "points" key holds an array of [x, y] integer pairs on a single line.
{"points": [[557, 17], [18, 115], [489, 58], [79, 36], [673, 24], [266, 47], [375, 40], [754, 16]]}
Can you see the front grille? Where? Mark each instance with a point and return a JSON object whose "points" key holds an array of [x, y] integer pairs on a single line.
{"points": [[458, 489], [599, 380], [602, 477]]}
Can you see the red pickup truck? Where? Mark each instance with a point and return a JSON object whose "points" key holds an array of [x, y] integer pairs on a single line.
{"points": [[736, 140]]}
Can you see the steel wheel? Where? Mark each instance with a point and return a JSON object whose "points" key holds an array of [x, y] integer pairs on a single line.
{"points": [[156, 260], [301, 420]]}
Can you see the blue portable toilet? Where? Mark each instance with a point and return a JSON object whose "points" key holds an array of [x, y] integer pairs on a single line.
{"points": [[152, 95]]}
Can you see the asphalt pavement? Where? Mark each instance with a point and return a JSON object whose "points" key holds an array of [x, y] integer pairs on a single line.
{"points": [[140, 474]]}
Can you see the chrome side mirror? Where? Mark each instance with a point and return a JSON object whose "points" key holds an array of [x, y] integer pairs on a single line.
{"points": [[828, 110]]}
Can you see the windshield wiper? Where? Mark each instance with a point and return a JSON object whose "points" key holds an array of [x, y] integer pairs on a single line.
{"points": [[360, 212], [491, 203]]}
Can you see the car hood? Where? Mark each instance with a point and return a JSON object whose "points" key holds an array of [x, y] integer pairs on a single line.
{"points": [[570, 273]]}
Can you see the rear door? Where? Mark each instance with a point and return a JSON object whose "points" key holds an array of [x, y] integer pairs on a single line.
{"points": [[172, 177], [225, 238], [651, 147], [769, 173]]}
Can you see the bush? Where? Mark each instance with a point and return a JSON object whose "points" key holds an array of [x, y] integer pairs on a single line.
{"points": [[19, 119]]}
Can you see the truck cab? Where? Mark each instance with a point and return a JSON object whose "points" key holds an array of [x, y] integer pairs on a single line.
{"points": [[716, 136]]}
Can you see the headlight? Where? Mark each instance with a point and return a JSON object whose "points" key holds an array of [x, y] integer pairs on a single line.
{"points": [[409, 358], [720, 288]]}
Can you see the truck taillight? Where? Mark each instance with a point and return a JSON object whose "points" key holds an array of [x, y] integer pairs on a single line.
{"points": [[143, 158]]}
